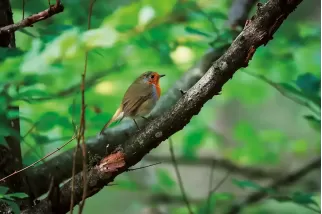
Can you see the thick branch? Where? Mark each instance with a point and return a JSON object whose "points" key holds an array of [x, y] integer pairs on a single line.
{"points": [[246, 171], [258, 32], [284, 181], [29, 21], [58, 165]]}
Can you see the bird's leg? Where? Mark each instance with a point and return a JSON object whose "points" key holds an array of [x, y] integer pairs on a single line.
{"points": [[137, 126], [145, 118]]}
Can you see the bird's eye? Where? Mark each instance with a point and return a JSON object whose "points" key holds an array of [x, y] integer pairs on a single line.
{"points": [[152, 76]]}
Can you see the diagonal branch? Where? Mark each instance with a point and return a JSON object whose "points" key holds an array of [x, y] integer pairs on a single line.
{"points": [[246, 171], [29, 21], [284, 181], [62, 171], [259, 31], [176, 168]]}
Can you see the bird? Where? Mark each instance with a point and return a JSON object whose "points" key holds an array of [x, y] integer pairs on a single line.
{"points": [[139, 99]]}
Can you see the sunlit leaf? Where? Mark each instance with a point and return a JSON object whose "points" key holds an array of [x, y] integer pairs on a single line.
{"points": [[97, 37], [161, 7], [124, 18]]}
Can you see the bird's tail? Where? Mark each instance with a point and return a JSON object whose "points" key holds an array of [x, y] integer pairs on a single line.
{"points": [[117, 115]]}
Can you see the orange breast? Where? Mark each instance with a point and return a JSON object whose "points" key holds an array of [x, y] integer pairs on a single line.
{"points": [[157, 89], [157, 86]]}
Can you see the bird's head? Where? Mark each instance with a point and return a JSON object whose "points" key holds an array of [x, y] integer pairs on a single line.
{"points": [[150, 77]]}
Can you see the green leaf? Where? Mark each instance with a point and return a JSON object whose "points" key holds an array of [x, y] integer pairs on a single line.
{"points": [[31, 93], [17, 195], [47, 121], [9, 52], [197, 32], [314, 122], [124, 18], [165, 179], [309, 83], [249, 184], [30, 79], [216, 14], [12, 114], [161, 9], [303, 198], [13, 205], [40, 139], [192, 141], [298, 198], [3, 190], [206, 207]]}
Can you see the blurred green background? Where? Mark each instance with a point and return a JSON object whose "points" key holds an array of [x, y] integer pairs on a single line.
{"points": [[251, 123]]}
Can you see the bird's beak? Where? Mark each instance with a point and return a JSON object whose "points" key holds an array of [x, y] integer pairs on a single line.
{"points": [[161, 75]]}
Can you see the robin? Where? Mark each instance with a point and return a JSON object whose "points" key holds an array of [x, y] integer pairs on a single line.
{"points": [[139, 99]]}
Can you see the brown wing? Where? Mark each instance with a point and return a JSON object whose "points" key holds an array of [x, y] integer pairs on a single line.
{"points": [[135, 95]]}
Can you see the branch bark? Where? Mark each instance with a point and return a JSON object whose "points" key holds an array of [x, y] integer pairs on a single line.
{"points": [[29, 21], [58, 166], [257, 32]]}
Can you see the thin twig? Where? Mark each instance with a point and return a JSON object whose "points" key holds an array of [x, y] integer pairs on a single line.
{"points": [[33, 164], [74, 160], [73, 178], [23, 9], [253, 172], [282, 92], [211, 191], [220, 183], [283, 181], [29, 21], [211, 178], [82, 120], [184, 196], [142, 167]]}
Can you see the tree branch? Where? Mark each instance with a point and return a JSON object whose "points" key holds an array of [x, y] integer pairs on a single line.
{"points": [[284, 181], [28, 22], [246, 171], [176, 168], [259, 31], [58, 165]]}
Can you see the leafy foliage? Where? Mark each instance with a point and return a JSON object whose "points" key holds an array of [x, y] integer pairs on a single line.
{"points": [[266, 113]]}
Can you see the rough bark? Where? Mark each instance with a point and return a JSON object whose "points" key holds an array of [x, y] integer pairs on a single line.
{"points": [[61, 166], [258, 31]]}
